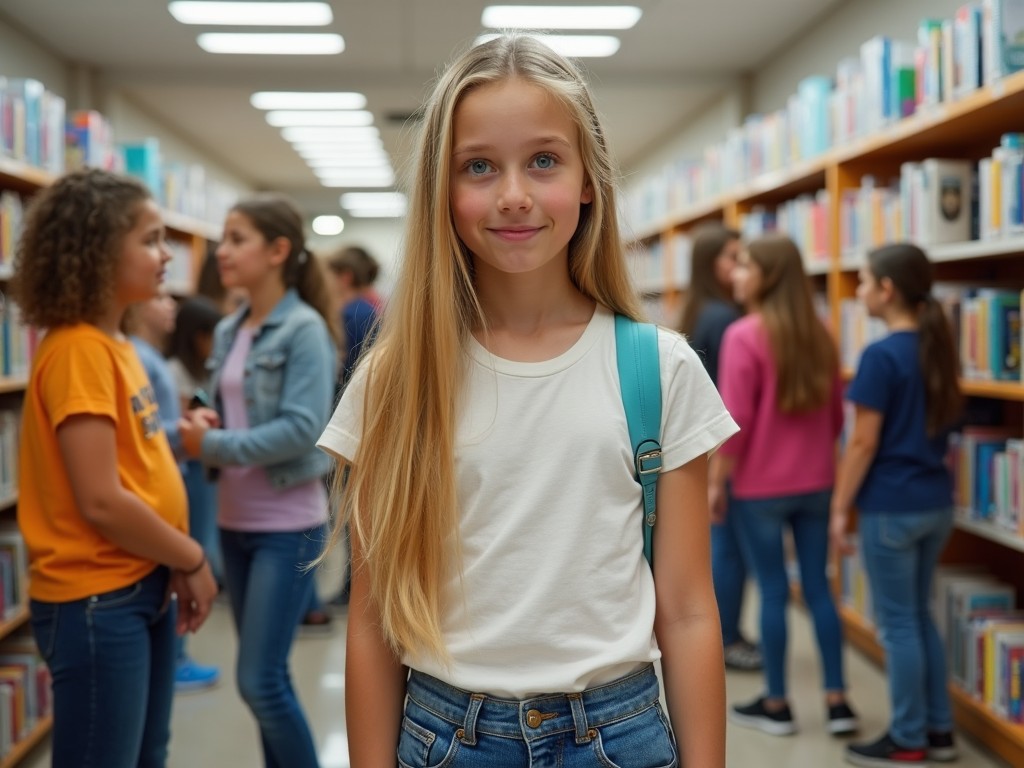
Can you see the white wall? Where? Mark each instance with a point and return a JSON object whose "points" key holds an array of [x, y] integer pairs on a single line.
{"points": [[382, 238], [22, 57]]}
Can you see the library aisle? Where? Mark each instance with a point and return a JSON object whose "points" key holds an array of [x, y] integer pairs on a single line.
{"points": [[212, 729]]}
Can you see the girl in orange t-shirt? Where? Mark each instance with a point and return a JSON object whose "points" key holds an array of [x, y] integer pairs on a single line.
{"points": [[101, 506]]}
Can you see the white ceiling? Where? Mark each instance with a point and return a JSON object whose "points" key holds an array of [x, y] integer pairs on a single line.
{"points": [[678, 57]]}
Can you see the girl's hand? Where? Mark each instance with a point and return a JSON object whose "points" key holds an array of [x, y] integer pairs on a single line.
{"points": [[195, 597], [717, 503], [193, 427], [838, 526]]}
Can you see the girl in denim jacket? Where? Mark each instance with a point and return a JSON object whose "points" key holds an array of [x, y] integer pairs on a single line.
{"points": [[502, 612], [272, 381]]}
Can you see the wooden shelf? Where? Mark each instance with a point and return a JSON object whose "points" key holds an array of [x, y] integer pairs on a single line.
{"points": [[12, 384], [26, 745], [991, 532], [18, 620], [1004, 738]]}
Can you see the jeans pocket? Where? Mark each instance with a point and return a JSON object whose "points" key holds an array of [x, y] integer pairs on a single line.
{"points": [[115, 597], [642, 740], [426, 740], [896, 531], [44, 627]]}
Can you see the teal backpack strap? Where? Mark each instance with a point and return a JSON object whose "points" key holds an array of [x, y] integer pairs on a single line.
{"points": [[636, 350]]}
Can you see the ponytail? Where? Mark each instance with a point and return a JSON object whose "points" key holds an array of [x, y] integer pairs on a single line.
{"points": [[940, 367]]}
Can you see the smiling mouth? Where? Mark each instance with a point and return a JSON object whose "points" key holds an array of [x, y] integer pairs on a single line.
{"points": [[516, 235]]}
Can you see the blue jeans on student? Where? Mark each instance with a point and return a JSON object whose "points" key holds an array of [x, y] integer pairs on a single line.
{"points": [[112, 660], [202, 526], [620, 723], [729, 574], [901, 551], [761, 522], [269, 588]]}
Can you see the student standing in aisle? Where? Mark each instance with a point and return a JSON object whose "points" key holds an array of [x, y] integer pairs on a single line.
{"points": [[190, 346], [354, 272], [708, 311], [272, 380], [907, 397], [779, 378], [496, 523], [101, 503], [150, 323]]}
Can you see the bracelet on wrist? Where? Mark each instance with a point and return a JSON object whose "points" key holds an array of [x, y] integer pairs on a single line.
{"points": [[196, 570]]}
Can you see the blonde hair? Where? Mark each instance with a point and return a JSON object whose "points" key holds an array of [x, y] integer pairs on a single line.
{"points": [[806, 361], [403, 509]]}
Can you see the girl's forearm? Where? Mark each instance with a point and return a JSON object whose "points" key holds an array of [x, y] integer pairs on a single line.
{"points": [[695, 689], [852, 470]]}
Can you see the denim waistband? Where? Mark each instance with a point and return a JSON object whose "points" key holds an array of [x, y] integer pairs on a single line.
{"points": [[540, 716]]}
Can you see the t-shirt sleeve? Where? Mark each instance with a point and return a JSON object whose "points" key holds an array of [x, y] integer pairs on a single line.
{"points": [[344, 431], [80, 379], [871, 386], [693, 420]]}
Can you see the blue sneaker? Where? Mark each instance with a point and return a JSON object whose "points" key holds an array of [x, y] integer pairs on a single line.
{"points": [[190, 676]]}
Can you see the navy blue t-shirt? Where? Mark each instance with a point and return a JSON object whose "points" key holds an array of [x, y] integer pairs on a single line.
{"points": [[357, 320], [712, 320], [908, 473]]}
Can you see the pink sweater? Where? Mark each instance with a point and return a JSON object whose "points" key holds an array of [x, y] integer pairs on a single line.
{"points": [[777, 454]]}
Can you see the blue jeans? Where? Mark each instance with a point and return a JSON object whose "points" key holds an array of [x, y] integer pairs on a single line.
{"points": [[202, 525], [112, 660], [761, 522], [729, 573], [901, 551], [269, 588], [620, 723]]}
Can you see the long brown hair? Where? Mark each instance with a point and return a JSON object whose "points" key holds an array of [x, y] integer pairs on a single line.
{"points": [[709, 240], [401, 495], [912, 276], [276, 216], [805, 356]]}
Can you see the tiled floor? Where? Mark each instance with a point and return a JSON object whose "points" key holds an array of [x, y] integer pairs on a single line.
{"points": [[214, 730]]}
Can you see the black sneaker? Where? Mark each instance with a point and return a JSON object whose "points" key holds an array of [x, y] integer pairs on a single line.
{"points": [[942, 747], [842, 721], [886, 752], [755, 715]]}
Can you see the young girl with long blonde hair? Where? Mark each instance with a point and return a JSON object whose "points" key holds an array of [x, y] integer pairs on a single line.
{"points": [[502, 611]]}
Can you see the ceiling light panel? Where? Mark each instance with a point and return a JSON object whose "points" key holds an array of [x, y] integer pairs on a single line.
{"points": [[574, 46], [321, 134], [272, 44], [328, 226], [310, 117], [560, 16], [307, 100], [238, 14]]}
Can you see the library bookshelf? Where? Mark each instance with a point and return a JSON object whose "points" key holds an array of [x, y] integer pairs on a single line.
{"points": [[189, 237], [967, 128]]}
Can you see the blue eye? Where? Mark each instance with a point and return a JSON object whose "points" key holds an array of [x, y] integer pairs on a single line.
{"points": [[478, 167], [544, 162]]}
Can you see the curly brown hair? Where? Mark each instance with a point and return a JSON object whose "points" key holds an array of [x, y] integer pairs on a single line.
{"points": [[66, 260]]}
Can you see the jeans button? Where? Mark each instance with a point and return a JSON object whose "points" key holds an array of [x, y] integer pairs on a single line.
{"points": [[533, 718]]}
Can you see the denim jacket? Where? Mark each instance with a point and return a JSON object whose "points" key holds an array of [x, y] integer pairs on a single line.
{"points": [[289, 391]]}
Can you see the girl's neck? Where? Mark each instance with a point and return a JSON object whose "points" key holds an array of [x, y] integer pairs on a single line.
{"points": [[110, 322], [149, 336], [522, 304], [262, 300], [899, 320]]}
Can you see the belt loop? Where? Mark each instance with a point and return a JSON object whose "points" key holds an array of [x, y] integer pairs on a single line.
{"points": [[468, 730], [584, 733]]}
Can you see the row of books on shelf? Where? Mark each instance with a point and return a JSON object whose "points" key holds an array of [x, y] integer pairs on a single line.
{"points": [[36, 129], [12, 213], [888, 81], [982, 631], [13, 570], [939, 201], [657, 267], [804, 219], [18, 341], [26, 691], [10, 422]]}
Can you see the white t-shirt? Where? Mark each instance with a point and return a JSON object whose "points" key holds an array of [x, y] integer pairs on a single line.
{"points": [[555, 595]]}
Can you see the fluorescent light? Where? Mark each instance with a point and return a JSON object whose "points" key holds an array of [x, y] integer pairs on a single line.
{"points": [[307, 100], [377, 177], [575, 46], [560, 16], [299, 133], [377, 213], [354, 183], [328, 225], [350, 161], [284, 43], [252, 14], [310, 117], [340, 148]]}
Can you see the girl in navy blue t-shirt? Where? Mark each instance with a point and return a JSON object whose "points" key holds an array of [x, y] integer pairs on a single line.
{"points": [[906, 396]]}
